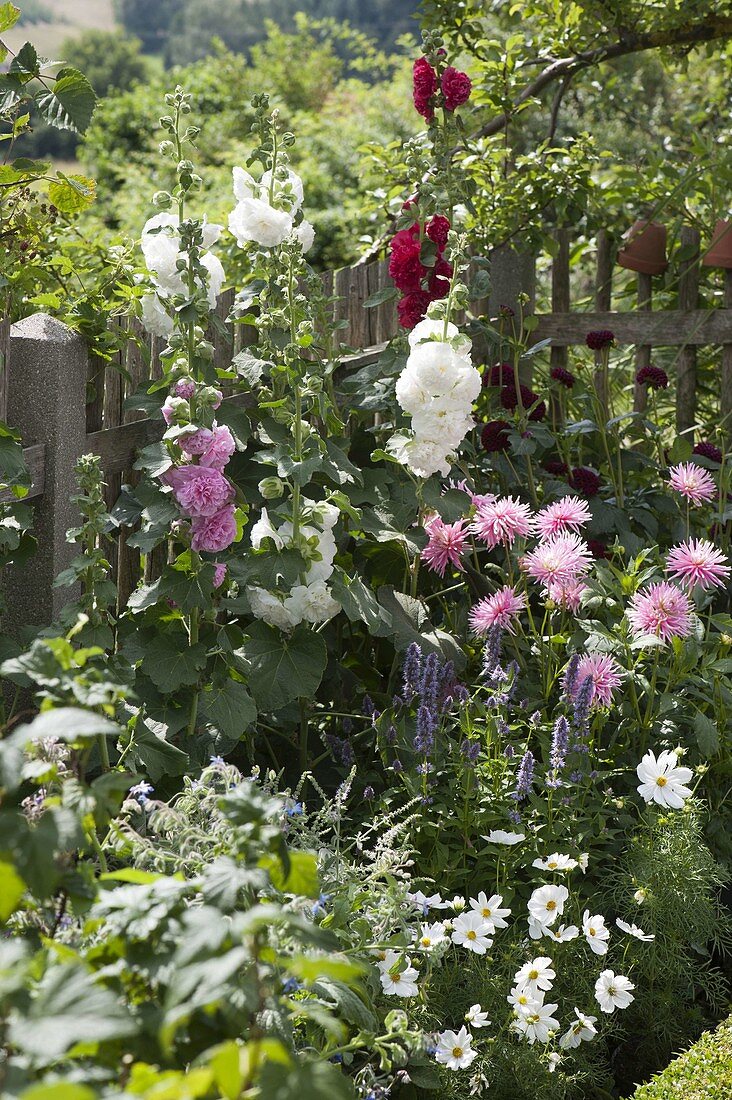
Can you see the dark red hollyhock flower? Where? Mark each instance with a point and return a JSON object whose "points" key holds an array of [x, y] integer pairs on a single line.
{"points": [[509, 401], [499, 375], [494, 436], [437, 229], [559, 374], [456, 88], [654, 377], [599, 339], [424, 86], [412, 308], [555, 467], [597, 548], [405, 267], [438, 288], [585, 481], [708, 450]]}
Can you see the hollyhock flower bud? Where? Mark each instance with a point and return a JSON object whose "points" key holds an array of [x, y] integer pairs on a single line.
{"points": [[424, 86], [198, 490], [456, 88], [219, 574], [176, 410], [214, 533], [185, 387], [271, 488]]}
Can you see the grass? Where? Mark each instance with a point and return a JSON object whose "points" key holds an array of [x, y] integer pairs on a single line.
{"points": [[704, 1072], [71, 17]]}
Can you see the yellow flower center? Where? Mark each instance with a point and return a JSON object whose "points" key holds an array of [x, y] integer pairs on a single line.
{"points": [[552, 864], [471, 935], [426, 942], [592, 932], [523, 999], [661, 781], [486, 912], [533, 975], [457, 1052], [551, 906]]}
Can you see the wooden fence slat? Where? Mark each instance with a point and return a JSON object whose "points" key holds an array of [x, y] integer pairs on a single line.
{"points": [[726, 379], [603, 303], [688, 301], [559, 356], [661, 328], [35, 459], [643, 351]]}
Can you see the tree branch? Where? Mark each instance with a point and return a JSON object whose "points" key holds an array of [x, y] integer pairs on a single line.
{"points": [[567, 67]]}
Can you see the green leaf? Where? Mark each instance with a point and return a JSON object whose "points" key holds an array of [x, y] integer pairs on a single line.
{"points": [[69, 724], [25, 63], [68, 1007], [282, 667], [229, 708], [306, 1081], [411, 623], [348, 1004], [301, 877], [707, 734], [60, 1090], [72, 193], [12, 889], [388, 294], [359, 602], [70, 105], [171, 663], [9, 16], [157, 756]]}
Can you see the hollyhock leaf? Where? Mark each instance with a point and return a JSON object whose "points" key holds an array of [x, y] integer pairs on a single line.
{"points": [[450, 506], [171, 663], [281, 667], [154, 460], [188, 590], [707, 734], [408, 618], [339, 467], [359, 602], [388, 294], [156, 756], [71, 102], [268, 568], [251, 369], [228, 707]]}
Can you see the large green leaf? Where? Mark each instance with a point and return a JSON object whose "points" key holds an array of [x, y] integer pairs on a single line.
{"points": [[68, 1008], [25, 63], [308, 1081], [12, 889], [70, 104], [171, 663], [9, 16], [70, 724], [282, 667], [359, 602], [229, 707]]}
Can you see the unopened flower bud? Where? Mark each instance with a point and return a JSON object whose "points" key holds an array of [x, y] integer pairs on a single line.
{"points": [[162, 200], [271, 488]]}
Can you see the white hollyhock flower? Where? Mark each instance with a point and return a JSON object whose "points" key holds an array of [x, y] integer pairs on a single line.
{"points": [[430, 935], [547, 903], [523, 1001], [535, 975], [499, 836], [556, 862], [582, 1031], [490, 910], [454, 1049], [596, 933], [476, 1017], [290, 189], [154, 317], [263, 529], [537, 1026], [245, 186], [268, 608], [216, 276], [472, 932], [399, 984], [662, 781], [257, 221], [613, 991], [311, 603], [564, 933], [424, 457], [430, 327], [305, 234], [634, 930], [160, 245]]}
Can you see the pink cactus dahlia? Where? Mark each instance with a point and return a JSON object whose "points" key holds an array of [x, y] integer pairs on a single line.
{"points": [[663, 610], [500, 609], [568, 514], [560, 558], [445, 545], [604, 671], [692, 482], [698, 561], [502, 520]]}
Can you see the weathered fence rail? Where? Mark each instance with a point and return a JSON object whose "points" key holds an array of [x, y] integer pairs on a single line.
{"points": [[66, 402]]}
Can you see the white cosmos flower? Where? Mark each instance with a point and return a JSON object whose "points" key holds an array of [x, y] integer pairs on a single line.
{"points": [[523, 1001], [584, 861], [490, 910], [454, 1049], [537, 930], [425, 903], [564, 933], [553, 1060], [556, 862], [582, 1030], [547, 903], [430, 935], [613, 991], [154, 316], [535, 975], [472, 932], [596, 933], [476, 1017], [458, 903], [537, 1026], [257, 221], [499, 836], [662, 781], [634, 930], [399, 984]]}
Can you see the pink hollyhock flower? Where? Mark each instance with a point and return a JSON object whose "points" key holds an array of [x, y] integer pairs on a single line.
{"points": [[445, 545], [663, 610], [219, 574], [567, 514], [456, 88], [560, 559], [568, 593], [196, 443], [212, 534], [604, 671], [198, 490], [500, 609], [173, 407], [220, 448], [502, 520], [186, 388], [692, 482], [698, 561]]}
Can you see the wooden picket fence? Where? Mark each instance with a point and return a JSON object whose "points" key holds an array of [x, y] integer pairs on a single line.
{"points": [[66, 402]]}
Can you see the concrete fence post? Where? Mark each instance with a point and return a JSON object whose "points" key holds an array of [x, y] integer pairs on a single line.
{"points": [[47, 377], [512, 273]]}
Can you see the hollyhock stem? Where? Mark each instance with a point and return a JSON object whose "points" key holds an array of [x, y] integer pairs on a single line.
{"points": [[193, 640]]}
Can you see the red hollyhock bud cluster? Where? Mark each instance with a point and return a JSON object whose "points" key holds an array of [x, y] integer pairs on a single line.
{"points": [[454, 85], [419, 284]]}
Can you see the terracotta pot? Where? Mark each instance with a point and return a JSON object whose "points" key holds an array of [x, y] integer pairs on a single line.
{"points": [[645, 248], [720, 250]]}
